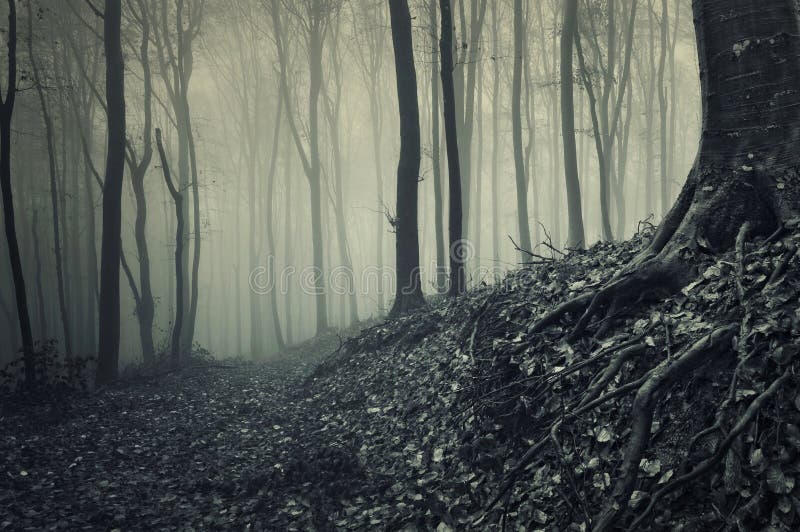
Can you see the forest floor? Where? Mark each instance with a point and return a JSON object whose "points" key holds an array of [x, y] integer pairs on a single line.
{"points": [[423, 422]]}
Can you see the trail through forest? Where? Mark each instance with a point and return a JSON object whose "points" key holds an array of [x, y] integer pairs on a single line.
{"points": [[208, 447], [466, 414]]}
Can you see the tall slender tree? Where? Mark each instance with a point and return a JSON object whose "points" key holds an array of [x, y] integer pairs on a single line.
{"points": [[576, 237], [409, 289], [458, 282], [108, 344], [521, 174], [9, 221]]}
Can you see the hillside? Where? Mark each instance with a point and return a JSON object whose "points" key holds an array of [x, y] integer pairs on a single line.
{"points": [[468, 414]]}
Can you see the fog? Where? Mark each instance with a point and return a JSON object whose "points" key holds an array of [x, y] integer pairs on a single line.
{"points": [[256, 288]]}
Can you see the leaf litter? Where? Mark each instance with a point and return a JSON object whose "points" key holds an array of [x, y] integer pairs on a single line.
{"points": [[420, 423]]}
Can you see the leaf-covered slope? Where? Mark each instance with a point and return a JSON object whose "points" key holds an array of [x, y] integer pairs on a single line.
{"points": [[461, 415]]}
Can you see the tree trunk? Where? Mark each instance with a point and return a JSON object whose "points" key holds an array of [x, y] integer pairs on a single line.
{"points": [[409, 288], [496, 146], [177, 326], [108, 344], [436, 157], [516, 118], [146, 308], [576, 238], [56, 204], [6, 112], [457, 275], [663, 108]]}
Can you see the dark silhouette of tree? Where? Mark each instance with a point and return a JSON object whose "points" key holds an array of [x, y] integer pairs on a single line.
{"points": [[457, 250], [108, 344], [177, 199], [409, 290], [6, 113], [576, 238]]}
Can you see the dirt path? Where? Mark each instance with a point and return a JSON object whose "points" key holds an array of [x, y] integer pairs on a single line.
{"points": [[220, 447]]}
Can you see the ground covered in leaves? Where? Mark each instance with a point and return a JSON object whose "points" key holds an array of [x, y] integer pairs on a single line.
{"points": [[462, 415]]}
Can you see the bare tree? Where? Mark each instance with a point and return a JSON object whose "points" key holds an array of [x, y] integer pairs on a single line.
{"points": [[409, 290], [108, 344], [6, 113], [576, 238], [458, 280]]}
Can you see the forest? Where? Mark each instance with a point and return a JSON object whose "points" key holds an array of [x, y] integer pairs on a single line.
{"points": [[400, 265]]}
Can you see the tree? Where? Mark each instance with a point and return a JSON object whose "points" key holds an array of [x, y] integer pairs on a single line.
{"points": [[108, 344], [436, 156], [457, 275], [145, 308], [6, 113], [744, 182], [409, 289], [521, 175], [313, 16], [177, 199], [576, 238], [176, 64], [54, 193]]}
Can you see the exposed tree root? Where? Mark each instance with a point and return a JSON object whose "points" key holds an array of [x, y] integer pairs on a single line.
{"points": [[721, 451], [664, 374], [603, 379], [573, 306]]}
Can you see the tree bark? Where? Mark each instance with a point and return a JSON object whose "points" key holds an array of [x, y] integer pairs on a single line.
{"points": [[409, 289]]}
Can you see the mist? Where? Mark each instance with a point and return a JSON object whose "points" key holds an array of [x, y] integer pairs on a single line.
{"points": [[255, 275]]}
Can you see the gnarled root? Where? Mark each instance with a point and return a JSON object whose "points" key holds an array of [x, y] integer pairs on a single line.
{"points": [[710, 462], [661, 376]]}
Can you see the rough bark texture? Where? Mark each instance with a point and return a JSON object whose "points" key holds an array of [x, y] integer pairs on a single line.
{"points": [[409, 290], [746, 168]]}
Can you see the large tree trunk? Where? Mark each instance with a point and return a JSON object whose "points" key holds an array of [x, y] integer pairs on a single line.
{"points": [[744, 179], [409, 289], [108, 345], [746, 168]]}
